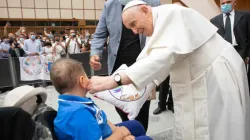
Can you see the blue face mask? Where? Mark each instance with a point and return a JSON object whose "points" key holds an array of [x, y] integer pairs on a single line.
{"points": [[226, 8], [21, 39], [124, 2], [33, 37]]}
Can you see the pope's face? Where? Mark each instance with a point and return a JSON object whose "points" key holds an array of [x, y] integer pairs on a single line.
{"points": [[140, 22]]}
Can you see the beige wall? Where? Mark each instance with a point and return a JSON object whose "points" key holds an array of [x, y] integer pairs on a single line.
{"points": [[53, 9]]}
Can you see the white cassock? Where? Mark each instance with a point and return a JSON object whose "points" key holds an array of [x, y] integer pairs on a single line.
{"points": [[208, 77]]}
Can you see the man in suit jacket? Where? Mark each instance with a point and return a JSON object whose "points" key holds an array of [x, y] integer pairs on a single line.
{"points": [[239, 32], [123, 48]]}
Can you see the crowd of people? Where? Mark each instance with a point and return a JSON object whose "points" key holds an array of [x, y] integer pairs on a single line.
{"points": [[51, 43]]}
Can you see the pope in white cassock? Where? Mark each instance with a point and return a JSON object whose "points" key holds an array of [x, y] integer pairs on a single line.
{"points": [[208, 77]]}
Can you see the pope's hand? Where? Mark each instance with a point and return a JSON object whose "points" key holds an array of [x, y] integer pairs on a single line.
{"points": [[98, 83], [95, 62]]}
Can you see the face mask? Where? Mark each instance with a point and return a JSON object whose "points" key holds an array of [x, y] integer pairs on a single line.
{"points": [[226, 8], [33, 37], [73, 34], [21, 39], [124, 2]]}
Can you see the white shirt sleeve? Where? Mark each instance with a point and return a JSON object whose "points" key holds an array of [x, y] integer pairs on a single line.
{"points": [[155, 66]]}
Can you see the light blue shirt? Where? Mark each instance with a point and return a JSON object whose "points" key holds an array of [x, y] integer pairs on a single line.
{"points": [[5, 47], [80, 119], [31, 46]]}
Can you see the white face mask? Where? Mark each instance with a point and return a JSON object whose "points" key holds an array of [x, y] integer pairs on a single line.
{"points": [[124, 2]]}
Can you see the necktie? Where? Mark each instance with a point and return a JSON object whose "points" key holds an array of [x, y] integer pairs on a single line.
{"points": [[228, 31]]}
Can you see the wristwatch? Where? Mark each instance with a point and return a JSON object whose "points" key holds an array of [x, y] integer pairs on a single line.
{"points": [[117, 79]]}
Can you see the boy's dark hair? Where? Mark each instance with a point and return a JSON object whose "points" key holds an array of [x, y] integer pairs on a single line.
{"points": [[65, 74]]}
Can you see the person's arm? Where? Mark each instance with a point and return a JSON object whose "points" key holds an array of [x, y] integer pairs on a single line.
{"points": [[18, 32], [78, 42], [97, 44], [41, 50], [45, 32], [5, 51], [155, 66], [5, 31], [54, 48], [68, 42], [100, 35], [26, 48], [63, 45], [112, 126]]}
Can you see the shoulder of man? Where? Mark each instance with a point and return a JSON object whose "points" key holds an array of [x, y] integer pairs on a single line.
{"points": [[110, 3], [245, 13], [215, 18]]}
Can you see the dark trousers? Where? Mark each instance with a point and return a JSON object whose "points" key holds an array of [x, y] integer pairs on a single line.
{"points": [[142, 117], [163, 93], [136, 129]]}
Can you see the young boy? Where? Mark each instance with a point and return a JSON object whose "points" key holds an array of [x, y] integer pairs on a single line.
{"points": [[78, 117]]}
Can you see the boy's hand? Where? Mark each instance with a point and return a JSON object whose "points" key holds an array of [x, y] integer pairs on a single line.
{"points": [[123, 131], [112, 126], [129, 137]]}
